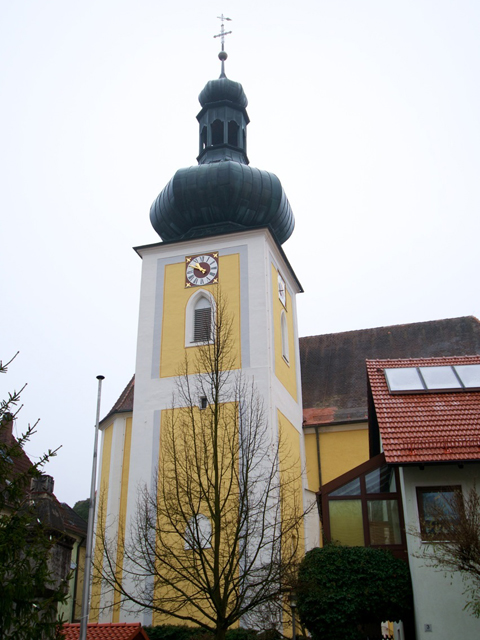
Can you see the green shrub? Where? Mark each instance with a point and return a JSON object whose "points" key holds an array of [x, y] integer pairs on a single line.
{"points": [[175, 632], [182, 632], [342, 589], [241, 634]]}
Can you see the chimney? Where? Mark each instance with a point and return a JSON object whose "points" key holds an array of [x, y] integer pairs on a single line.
{"points": [[6, 428], [42, 484]]}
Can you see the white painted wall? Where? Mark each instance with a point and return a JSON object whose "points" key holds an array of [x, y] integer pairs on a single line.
{"points": [[438, 596]]}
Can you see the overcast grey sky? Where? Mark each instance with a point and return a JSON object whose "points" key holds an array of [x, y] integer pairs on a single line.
{"points": [[368, 112]]}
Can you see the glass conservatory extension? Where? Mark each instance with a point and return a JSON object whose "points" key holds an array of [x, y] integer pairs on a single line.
{"points": [[363, 508]]}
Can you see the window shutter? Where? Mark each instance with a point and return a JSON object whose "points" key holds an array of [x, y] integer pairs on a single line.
{"points": [[202, 330]]}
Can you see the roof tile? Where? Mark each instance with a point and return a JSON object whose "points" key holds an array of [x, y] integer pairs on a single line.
{"points": [[426, 427], [125, 401], [106, 631]]}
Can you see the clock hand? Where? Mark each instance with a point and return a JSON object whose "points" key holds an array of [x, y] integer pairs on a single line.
{"points": [[195, 265]]}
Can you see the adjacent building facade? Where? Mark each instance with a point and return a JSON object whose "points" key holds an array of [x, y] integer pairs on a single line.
{"points": [[424, 434]]}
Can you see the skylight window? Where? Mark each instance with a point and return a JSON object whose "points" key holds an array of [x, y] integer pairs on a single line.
{"points": [[469, 374], [465, 377], [437, 378], [404, 379]]}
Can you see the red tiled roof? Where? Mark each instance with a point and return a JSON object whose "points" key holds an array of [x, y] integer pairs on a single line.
{"points": [[21, 462], [106, 631], [425, 427], [318, 416], [73, 522]]}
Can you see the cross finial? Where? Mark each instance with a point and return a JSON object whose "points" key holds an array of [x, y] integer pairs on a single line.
{"points": [[223, 55]]}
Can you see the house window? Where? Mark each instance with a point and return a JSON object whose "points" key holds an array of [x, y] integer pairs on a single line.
{"points": [[285, 352], [346, 522], [381, 480], [383, 522], [438, 508], [198, 533], [350, 489], [203, 402]]}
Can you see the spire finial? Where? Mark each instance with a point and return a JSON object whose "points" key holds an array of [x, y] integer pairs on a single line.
{"points": [[223, 54]]}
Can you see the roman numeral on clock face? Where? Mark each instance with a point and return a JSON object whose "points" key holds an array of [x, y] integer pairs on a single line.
{"points": [[201, 269]]}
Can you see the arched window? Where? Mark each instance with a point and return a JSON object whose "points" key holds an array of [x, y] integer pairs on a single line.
{"points": [[202, 321], [217, 132], [198, 532], [199, 325], [203, 139], [233, 133], [284, 329]]}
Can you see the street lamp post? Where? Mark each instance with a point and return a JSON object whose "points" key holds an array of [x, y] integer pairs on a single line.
{"points": [[91, 516]]}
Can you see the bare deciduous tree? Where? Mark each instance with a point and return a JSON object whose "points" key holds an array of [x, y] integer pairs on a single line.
{"points": [[220, 534], [455, 535]]}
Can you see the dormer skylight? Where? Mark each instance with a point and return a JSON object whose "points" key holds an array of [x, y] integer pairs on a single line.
{"points": [[444, 378]]}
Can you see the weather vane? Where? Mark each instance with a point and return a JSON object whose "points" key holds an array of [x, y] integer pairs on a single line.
{"points": [[222, 55]]}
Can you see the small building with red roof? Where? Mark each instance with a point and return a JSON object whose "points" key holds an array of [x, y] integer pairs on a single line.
{"points": [[424, 415], [106, 631], [424, 437], [66, 528]]}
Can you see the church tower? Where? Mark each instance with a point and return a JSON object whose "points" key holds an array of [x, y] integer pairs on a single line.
{"points": [[221, 224]]}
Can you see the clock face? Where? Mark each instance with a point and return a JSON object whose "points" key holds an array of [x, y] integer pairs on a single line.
{"points": [[282, 291], [201, 270]]}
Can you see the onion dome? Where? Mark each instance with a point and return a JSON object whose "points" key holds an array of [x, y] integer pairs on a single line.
{"points": [[223, 89], [222, 193], [220, 197]]}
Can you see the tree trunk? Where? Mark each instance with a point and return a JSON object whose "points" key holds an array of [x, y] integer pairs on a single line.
{"points": [[220, 633]]}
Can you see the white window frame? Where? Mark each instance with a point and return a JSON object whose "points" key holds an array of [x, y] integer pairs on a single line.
{"points": [[198, 530], [190, 317], [284, 332]]}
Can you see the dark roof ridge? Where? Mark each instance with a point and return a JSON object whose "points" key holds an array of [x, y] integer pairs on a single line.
{"points": [[334, 376], [73, 520], [389, 326]]}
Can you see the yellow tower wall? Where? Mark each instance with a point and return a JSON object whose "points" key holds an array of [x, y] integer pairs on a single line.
{"points": [[122, 516], [184, 429], [102, 497], [291, 473], [176, 297], [286, 372]]}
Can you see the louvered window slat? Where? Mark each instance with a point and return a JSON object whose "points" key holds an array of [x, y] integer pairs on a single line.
{"points": [[202, 325]]}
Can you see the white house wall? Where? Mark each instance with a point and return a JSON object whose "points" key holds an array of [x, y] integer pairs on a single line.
{"points": [[438, 596]]}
